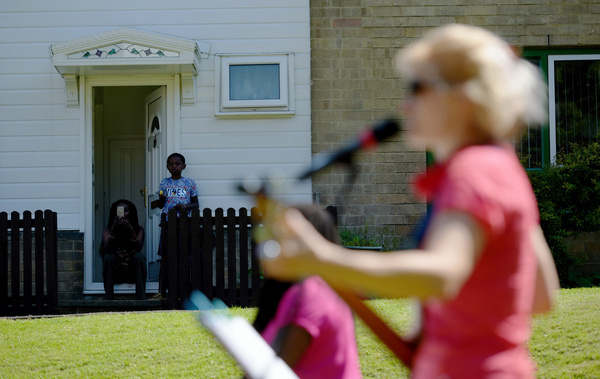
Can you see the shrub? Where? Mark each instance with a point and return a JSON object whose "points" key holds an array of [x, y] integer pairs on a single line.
{"points": [[362, 237], [358, 237], [568, 195]]}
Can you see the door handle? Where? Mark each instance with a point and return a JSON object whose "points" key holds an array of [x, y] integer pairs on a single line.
{"points": [[145, 196]]}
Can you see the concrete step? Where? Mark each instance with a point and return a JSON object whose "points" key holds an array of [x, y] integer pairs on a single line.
{"points": [[121, 303]]}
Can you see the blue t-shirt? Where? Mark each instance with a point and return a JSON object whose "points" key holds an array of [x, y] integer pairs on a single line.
{"points": [[178, 191]]}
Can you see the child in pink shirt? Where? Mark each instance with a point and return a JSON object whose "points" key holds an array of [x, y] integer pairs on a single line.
{"points": [[307, 323]]}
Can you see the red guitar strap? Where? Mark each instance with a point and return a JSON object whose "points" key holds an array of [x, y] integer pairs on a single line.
{"points": [[389, 337]]}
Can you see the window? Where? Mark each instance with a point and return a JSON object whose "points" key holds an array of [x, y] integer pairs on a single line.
{"points": [[573, 99], [574, 92], [256, 84]]}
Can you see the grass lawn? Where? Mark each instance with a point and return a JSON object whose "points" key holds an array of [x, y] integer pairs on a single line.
{"points": [[565, 344]]}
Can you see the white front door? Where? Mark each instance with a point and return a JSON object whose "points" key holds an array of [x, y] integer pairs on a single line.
{"points": [[156, 163], [126, 179]]}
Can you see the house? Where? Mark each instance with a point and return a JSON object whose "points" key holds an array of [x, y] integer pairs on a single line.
{"points": [[94, 97]]}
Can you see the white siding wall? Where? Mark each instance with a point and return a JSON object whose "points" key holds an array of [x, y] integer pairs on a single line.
{"points": [[42, 162]]}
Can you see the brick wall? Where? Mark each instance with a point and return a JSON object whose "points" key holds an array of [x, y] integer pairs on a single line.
{"points": [[353, 83], [70, 265]]}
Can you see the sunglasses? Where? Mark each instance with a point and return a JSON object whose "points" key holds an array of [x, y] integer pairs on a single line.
{"points": [[417, 87]]}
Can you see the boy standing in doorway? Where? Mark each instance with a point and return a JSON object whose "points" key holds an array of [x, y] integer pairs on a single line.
{"points": [[176, 192]]}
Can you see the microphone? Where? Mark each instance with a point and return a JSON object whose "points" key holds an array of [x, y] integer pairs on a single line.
{"points": [[367, 139]]}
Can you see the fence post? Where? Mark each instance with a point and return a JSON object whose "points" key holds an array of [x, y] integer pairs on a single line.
{"points": [[27, 264], [15, 256], [220, 253], [243, 257], [231, 257], [196, 266], [207, 259], [39, 261], [172, 258], [51, 260], [183, 259], [3, 263], [255, 217]]}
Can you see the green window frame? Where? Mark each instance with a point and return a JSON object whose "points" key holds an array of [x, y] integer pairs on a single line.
{"points": [[545, 59]]}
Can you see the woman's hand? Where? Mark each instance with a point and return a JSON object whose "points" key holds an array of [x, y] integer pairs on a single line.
{"points": [[115, 225], [125, 223], [122, 222], [125, 226]]}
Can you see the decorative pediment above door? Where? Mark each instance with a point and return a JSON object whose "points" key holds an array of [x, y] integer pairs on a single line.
{"points": [[129, 52]]}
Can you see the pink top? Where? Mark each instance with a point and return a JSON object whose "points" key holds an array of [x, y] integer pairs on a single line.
{"points": [[483, 331], [316, 308]]}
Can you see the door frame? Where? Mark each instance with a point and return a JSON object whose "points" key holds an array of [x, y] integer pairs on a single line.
{"points": [[86, 196]]}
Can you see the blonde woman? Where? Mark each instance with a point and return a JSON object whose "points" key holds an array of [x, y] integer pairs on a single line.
{"points": [[483, 266]]}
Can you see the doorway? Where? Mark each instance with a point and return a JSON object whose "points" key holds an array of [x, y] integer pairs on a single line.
{"points": [[121, 167]]}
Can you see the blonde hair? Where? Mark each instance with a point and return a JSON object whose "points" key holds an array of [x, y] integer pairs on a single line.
{"points": [[507, 91]]}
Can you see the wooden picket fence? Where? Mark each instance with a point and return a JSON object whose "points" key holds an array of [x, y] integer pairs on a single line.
{"points": [[28, 271], [214, 255]]}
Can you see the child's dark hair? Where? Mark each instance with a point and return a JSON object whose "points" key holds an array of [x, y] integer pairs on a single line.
{"points": [[273, 290], [132, 216], [180, 156]]}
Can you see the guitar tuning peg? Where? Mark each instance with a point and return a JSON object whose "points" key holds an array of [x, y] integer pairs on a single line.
{"points": [[252, 185], [269, 249]]}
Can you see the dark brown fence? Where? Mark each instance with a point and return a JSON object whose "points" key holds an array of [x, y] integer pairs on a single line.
{"points": [[28, 271], [213, 255]]}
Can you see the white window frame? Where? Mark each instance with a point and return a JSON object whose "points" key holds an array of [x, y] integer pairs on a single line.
{"points": [[551, 93], [284, 105]]}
